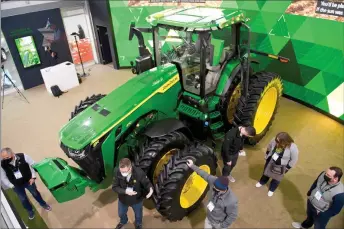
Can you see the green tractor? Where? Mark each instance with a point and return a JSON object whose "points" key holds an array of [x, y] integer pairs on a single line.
{"points": [[198, 82]]}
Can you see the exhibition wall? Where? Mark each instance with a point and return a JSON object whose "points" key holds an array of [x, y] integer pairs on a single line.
{"points": [[315, 74], [45, 28]]}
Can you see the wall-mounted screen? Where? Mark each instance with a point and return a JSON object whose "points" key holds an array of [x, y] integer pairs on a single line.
{"points": [[27, 51]]}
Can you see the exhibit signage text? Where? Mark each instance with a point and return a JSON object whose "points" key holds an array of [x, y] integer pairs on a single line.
{"points": [[330, 8]]}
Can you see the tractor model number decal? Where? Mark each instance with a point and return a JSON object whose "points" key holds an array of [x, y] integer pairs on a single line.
{"points": [[169, 84]]}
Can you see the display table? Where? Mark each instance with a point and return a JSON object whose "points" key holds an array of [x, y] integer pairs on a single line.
{"points": [[63, 75]]}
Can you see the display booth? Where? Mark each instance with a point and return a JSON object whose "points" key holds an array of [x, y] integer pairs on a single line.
{"points": [[315, 74]]}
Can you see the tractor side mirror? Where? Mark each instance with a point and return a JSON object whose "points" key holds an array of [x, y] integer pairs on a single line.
{"points": [[131, 33]]}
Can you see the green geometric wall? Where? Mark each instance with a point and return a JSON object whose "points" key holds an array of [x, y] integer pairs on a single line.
{"points": [[315, 47]]}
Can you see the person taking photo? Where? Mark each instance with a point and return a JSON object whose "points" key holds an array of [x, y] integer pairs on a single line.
{"points": [[222, 209]]}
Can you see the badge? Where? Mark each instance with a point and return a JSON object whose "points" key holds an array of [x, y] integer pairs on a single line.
{"points": [[134, 181], [211, 206], [275, 156], [18, 174], [318, 195]]}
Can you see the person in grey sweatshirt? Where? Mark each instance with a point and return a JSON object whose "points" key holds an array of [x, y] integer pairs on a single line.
{"points": [[222, 209]]}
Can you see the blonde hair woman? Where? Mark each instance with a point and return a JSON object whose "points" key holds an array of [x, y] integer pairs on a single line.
{"points": [[281, 155]]}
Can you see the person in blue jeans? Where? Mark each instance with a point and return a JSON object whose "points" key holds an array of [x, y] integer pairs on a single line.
{"points": [[17, 173], [132, 186]]}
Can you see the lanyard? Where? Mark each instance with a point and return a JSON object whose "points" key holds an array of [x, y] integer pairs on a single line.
{"points": [[325, 186]]}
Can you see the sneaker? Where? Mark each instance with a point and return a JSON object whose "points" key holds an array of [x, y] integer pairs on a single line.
{"points": [[119, 226], [138, 226], [296, 225], [231, 179], [47, 207], [242, 153], [270, 194], [258, 185], [31, 215]]}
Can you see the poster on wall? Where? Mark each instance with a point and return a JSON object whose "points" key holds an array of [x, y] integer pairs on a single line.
{"points": [[27, 51], [325, 9]]}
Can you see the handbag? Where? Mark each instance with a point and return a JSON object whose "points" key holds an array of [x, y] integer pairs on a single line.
{"points": [[277, 169], [274, 171]]}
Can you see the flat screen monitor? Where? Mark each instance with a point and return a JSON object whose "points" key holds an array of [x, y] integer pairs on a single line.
{"points": [[27, 51]]}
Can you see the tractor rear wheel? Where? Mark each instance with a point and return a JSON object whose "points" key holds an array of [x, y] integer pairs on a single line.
{"points": [[231, 101], [265, 90], [157, 152], [179, 189], [89, 101]]}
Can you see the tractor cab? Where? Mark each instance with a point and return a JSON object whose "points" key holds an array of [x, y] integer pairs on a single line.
{"points": [[210, 47], [199, 41]]}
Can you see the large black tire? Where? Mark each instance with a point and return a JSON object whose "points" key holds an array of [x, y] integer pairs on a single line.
{"points": [[89, 101], [231, 100], [261, 84], [171, 181], [154, 150]]}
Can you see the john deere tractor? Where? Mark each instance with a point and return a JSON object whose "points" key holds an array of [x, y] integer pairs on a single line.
{"points": [[198, 81]]}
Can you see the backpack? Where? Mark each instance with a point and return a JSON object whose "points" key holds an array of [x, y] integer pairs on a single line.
{"points": [[56, 91]]}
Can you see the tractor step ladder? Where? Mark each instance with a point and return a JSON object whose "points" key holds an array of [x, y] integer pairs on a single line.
{"points": [[216, 125]]}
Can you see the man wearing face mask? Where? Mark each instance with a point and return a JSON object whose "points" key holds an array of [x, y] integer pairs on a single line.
{"points": [[132, 186], [17, 173], [232, 146], [222, 209], [325, 199]]}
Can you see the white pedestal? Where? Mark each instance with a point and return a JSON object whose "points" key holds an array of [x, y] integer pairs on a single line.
{"points": [[63, 75]]}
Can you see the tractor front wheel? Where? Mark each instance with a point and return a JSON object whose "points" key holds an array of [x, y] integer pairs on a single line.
{"points": [[89, 101], [179, 189], [157, 152], [259, 109]]}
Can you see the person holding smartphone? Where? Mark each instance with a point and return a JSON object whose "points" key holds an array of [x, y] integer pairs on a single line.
{"points": [[132, 186]]}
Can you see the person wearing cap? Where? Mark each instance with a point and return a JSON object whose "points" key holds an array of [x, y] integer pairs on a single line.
{"points": [[222, 209]]}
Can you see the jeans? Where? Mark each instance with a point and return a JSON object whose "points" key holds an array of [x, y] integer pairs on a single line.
{"points": [[123, 209], [20, 190], [227, 169], [264, 179], [314, 218]]}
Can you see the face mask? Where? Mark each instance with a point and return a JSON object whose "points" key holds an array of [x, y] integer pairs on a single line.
{"points": [[6, 161], [327, 179], [125, 174], [216, 192]]}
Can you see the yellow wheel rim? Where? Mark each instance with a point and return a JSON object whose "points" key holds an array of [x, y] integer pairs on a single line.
{"points": [[265, 109], [163, 161], [233, 102], [193, 188]]}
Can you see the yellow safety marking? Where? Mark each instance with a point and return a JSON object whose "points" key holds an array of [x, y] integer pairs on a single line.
{"points": [[273, 56], [162, 89]]}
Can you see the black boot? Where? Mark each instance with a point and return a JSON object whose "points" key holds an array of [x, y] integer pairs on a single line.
{"points": [[138, 226], [119, 226]]}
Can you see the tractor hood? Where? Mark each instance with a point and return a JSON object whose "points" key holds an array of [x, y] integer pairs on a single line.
{"points": [[95, 121]]}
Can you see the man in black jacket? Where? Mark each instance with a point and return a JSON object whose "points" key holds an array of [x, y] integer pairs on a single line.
{"points": [[132, 186], [234, 143], [17, 173]]}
